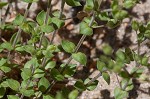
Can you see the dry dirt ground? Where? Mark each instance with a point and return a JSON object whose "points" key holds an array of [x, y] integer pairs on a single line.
{"points": [[119, 37]]}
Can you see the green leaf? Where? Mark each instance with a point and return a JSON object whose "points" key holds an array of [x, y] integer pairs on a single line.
{"points": [[18, 20], [48, 54], [24, 84], [107, 49], [69, 70], [4, 84], [2, 92], [32, 62], [104, 16], [80, 57], [119, 15], [47, 97], [142, 28], [73, 94], [124, 74], [120, 55], [5, 69], [13, 84], [73, 2], [85, 29], [50, 65], [38, 73], [129, 84], [141, 37], [68, 46], [45, 42], [47, 28], [106, 77], [2, 4], [144, 60], [26, 73], [80, 85], [7, 46], [65, 91], [56, 13], [89, 6], [120, 94], [43, 84], [147, 34], [26, 27], [59, 95], [136, 72], [27, 93], [57, 22], [30, 49], [97, 4], [114, 5], [101, 66], [92, 85], [129, 3], [135, 25], [51, 48], [41, 17], [3, 61], [12, 97], [112, 23], [56, 75]]}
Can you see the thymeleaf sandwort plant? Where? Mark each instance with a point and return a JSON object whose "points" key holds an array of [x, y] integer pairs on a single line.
{"points": [[39, 73]]}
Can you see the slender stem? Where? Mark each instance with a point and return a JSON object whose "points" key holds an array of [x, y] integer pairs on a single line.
{"points": [[138, 50], [7, 11]]}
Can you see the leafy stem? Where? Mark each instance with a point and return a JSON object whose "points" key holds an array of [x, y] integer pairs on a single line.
{"points": [[19, 30], [54, 33], [80, 41], [46, 21], [76, 49], [60, 16], [29, 81]]}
